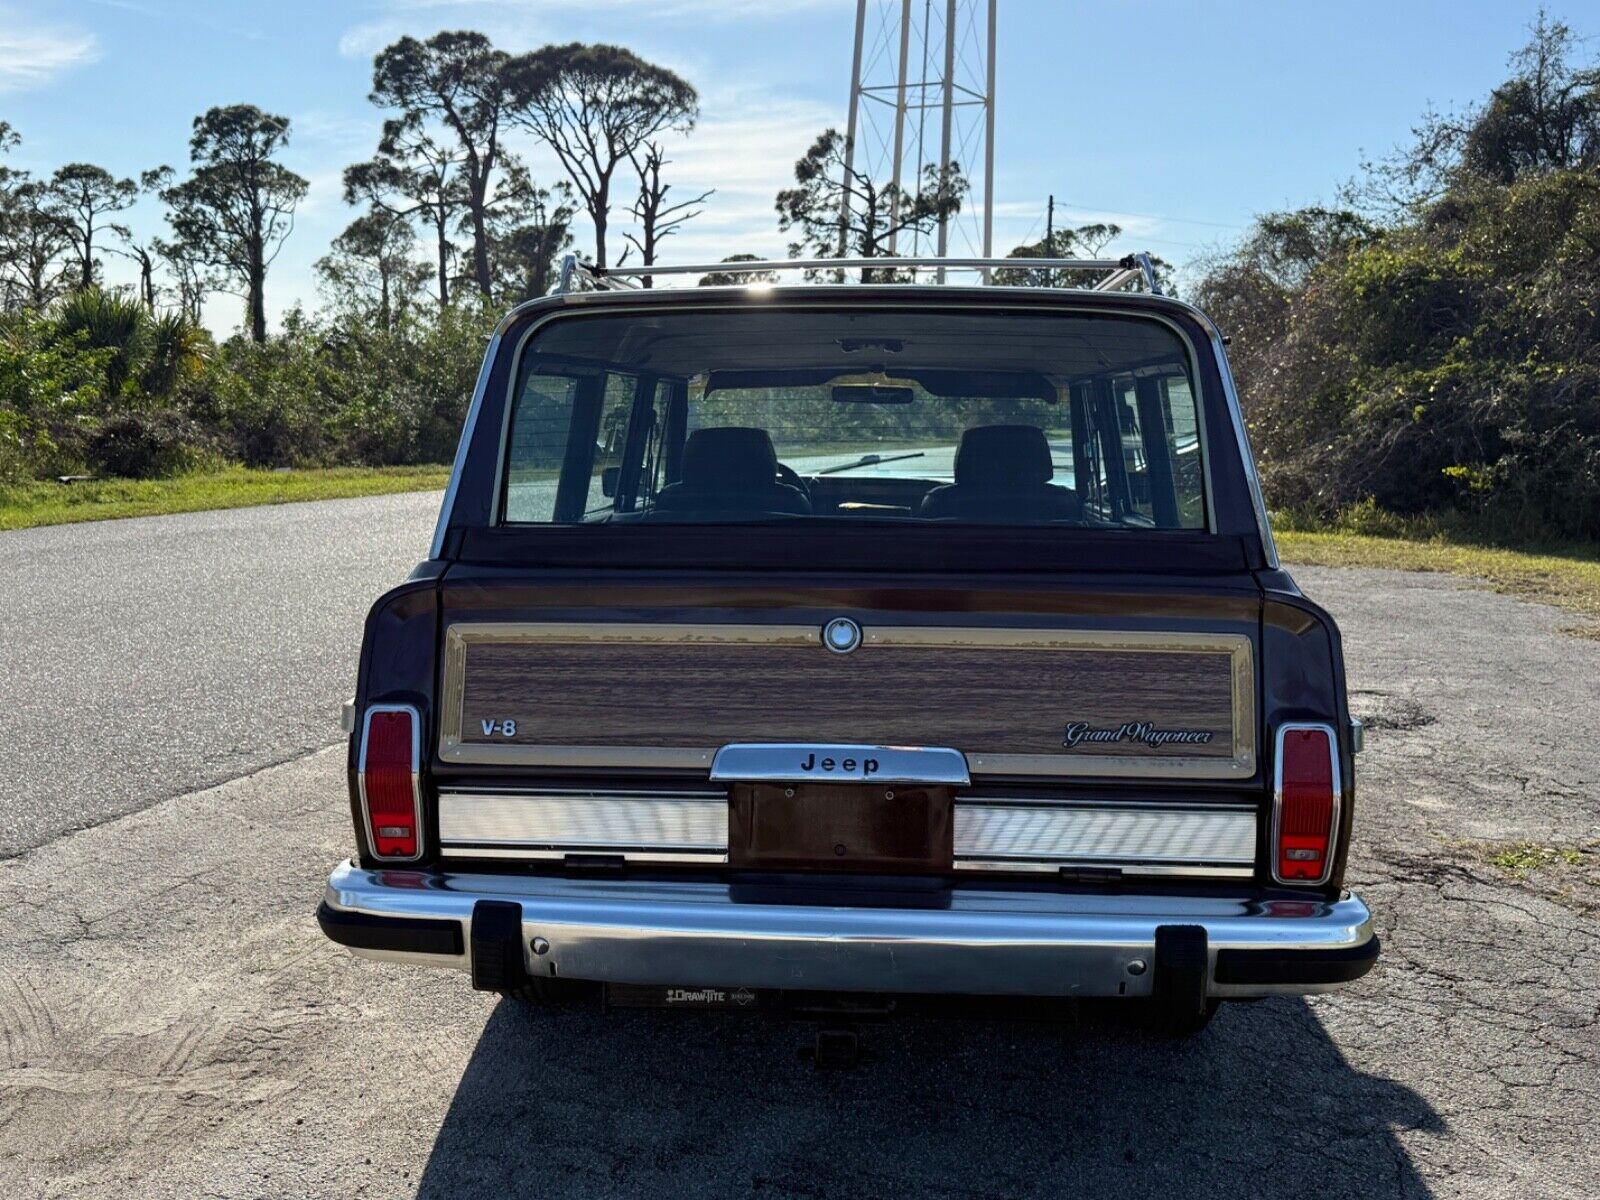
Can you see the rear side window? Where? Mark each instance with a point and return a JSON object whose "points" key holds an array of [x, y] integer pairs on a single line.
{"points": [[928, 419]]}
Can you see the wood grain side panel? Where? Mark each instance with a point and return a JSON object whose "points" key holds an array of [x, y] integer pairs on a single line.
{"points": [[574, 692]]}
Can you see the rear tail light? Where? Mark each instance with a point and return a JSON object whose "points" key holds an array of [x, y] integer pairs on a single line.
{"points": [[391, 740], [1305, 811]]}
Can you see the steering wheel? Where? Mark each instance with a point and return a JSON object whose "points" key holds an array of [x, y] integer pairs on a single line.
{"points": [[790, 476]]}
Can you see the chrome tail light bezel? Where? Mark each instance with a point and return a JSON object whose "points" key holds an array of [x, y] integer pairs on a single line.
{"points": [[1336, 775], [371, 711]]}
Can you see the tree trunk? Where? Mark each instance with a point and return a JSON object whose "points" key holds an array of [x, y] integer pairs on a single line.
{"points": [[480, 250], [87, 280], [444, 257], [599, 209], [257, 292]]}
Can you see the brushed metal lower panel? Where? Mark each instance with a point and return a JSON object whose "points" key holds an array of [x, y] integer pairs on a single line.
{"points": [[1106, 833], [673, 826], [989, 835]]}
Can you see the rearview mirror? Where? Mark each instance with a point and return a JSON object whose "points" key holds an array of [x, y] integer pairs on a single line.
{"points": [[610, 481], [872, 393]]}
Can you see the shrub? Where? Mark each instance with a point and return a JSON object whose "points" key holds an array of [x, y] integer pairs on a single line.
{"points": [[140, 445]]}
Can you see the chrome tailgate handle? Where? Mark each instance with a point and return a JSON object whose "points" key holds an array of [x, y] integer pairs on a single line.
{"points": [[836, 762]]}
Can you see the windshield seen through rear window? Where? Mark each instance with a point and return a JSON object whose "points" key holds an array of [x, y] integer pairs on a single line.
{"points": [[764, 415]]}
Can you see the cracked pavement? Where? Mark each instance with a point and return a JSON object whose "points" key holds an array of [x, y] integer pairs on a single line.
{"points": [[172, 1023]]}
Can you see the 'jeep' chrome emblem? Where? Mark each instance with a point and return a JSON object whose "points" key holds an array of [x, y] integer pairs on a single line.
{"points": [[841, 635]]}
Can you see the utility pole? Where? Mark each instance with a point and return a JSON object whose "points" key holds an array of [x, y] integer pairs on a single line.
{"points": [[1050, 239]]}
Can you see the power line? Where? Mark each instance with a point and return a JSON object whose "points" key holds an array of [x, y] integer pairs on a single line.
{"points": [[1122, 212]]}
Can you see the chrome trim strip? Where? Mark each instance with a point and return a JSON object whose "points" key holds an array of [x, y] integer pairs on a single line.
{"points": [[1140, 870], [784, 762], [416, 779], [980, 940], [1277, 801], [480, 389], [1230, 393], [629, 854]]}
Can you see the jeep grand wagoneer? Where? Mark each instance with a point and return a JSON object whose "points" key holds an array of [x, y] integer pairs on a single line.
{"points": [[888, 640]]}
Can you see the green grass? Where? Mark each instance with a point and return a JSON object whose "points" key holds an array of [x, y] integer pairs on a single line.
{"points": [[1566, 576], [1519, 858], [53, 503]]}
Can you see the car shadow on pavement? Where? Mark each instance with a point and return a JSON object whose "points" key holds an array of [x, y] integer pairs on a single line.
{"points": [[656, 1104]]}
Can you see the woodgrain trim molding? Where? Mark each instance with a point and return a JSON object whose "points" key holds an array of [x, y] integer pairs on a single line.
{"points": [[1240, 763]]}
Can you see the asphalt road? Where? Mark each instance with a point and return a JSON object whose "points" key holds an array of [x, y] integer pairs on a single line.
{"points": [[173, 1024], [150, 657]]}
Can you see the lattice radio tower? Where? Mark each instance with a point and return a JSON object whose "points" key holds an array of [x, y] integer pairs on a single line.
{"points": [[922, 91]]}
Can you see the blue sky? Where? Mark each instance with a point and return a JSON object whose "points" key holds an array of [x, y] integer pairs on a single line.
{"points": [[1179, 119]]}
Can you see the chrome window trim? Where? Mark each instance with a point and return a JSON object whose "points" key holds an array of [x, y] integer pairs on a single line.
{"points": [[1230, 392], [416, 779], [468, 430], [1277, 800], [774, 299]]}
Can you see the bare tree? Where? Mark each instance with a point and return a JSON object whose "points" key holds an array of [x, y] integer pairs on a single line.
{"points": [[145, 253], [596, 107], [657, 219]]}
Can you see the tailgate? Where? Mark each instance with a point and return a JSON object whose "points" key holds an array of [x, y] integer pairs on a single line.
{"points": [[1047, 702], [1105, 726]]}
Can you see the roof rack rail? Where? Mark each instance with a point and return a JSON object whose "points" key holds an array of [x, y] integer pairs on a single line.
{"points": [[1132, 272]]}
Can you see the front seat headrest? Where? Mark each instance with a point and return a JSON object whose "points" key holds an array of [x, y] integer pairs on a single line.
{"points": [[729, 458], [1003, 456]]}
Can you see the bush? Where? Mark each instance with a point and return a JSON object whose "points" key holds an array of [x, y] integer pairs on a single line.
{"points": [[138, 445]]}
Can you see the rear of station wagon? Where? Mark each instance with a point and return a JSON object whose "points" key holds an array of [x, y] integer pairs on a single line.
{"points": [[788, 642]]}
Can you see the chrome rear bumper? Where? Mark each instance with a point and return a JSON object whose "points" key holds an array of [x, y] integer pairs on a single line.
{"points": [[978, 940]]}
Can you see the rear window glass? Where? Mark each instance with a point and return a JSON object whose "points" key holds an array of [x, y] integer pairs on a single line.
{"points": [[768, 415]]}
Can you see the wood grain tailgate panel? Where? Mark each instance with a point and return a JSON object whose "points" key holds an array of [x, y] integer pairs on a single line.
{"points": [[630, 695]]}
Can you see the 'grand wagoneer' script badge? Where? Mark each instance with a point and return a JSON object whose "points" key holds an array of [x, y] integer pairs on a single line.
{"points": [[1080, 733]]}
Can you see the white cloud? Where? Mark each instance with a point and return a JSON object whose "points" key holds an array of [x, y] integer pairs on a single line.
{"points": [[514, 25], [33, 55]]}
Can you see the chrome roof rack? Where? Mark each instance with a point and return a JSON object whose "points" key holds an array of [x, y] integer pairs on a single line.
{"points": [[1135, 272]]}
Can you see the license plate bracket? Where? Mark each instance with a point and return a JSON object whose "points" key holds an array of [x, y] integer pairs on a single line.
{"points": [[841, 827]]}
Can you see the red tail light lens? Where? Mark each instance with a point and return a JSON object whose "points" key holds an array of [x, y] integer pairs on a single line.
{"points": [[390, 745], [1306, 804]]}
